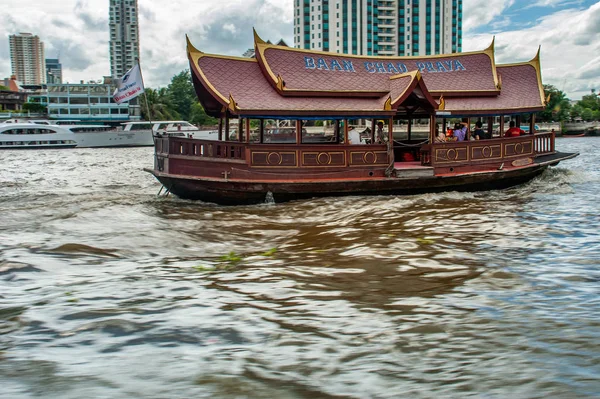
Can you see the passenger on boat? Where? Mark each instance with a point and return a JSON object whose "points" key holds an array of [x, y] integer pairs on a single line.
{"points": [[379, 134], [479, 133], [354, 137], [514, 131], [440, 136], [460, 132]]}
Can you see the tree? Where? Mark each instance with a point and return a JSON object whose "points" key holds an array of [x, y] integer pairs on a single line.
{"points": [[597, 115], [198, 116], [576, 111], [160, 104], [590, 101], [35, 107], [587, 114], [183, 93], [558, 105]]}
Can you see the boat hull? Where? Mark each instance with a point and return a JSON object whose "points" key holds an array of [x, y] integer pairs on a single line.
{"points": [[238, 192]]}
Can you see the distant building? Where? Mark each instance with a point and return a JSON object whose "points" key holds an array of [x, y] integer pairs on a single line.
{"points": [[11, 100], [53, 71], [124, 36], [250, 52], [379, 27], [27, 58], [85, 102]]}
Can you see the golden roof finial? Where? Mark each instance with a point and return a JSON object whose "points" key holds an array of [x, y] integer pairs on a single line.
{"points": [[257, 39], [190, 46]]}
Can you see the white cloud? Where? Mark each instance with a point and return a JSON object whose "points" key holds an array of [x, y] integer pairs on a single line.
{"points": [[567, 48]]}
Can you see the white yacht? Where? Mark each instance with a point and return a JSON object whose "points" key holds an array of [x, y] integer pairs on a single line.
{"points": [[38, 135], [171, 128]]}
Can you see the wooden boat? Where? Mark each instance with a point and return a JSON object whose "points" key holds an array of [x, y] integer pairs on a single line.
{"points": [[293, 88]]}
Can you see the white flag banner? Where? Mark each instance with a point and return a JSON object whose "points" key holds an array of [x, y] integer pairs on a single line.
{"points": [[129, 86]]}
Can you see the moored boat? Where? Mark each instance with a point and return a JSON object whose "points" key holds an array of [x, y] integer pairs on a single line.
{"points": [[284, 91], [41, 135]]}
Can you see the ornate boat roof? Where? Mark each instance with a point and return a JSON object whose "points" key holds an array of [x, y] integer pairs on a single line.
{"points": [[289, 82]]}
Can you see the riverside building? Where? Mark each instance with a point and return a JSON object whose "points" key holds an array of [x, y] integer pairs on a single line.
{"points": [[379, 27], [27, 58], [124, 36], [53, 71]]}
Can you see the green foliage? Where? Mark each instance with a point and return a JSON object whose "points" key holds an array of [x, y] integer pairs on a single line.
{"points": [[270, 252], [576, 111], [558, 106], [34, 107], [2, 87], [590, 101], [587, 114], [176, 101]]}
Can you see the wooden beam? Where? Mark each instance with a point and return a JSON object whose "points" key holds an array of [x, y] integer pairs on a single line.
{"points": [[247, 130], [261, 133], [221, 128], [298, 131], [226, 127]]}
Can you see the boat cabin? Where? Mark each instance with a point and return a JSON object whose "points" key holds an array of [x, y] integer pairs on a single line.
{"points": [[296, 123]]}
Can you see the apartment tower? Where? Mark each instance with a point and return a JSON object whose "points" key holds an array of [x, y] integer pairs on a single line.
{"points": [[53, 71], [124, 36], [27, 58], [379, 27]]}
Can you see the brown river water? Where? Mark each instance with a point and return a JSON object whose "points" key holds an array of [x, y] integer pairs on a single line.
{"points": [[108, 291]]}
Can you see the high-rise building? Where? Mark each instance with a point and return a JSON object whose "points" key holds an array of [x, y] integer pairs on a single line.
{"points": [[124, 36], [379, 27], [27, 58], [53, 71]]}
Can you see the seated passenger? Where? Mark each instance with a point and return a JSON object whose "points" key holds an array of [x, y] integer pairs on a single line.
{"points": [[440, 136], [380, 136], [514, 131], [354, 137], [479, 133], [460, 132]]}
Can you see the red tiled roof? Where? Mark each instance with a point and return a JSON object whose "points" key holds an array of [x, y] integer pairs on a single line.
{"points": [[251, 87], [520, 92], [243, 80], [453, 74]]}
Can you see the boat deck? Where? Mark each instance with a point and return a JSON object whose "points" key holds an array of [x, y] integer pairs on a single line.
{"points": [[409, 170]]}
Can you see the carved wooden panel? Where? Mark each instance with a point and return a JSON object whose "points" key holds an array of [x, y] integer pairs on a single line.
{"points": [[450, 155], [517, 149], [323, 158], [267, 159], [485, 152], [366, 157]]}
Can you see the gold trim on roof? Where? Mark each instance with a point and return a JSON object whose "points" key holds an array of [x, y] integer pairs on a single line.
{"points": [[442, 104], [388, 104], [280, 83], [233, 107], [194, 56], [535, 63], [490, 52]]}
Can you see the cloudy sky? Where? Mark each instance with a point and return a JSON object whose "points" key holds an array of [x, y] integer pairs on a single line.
{"points": [[77, 32]]}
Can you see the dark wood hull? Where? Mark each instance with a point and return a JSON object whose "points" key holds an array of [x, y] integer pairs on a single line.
{"points": [[236, 192]]}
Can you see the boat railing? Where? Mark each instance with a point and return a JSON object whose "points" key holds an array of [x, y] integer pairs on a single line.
{"points": [[544, 143], [180, 146]]}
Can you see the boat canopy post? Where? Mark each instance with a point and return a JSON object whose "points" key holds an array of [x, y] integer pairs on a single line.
{"points": [[501, 125], [532, 124], [220, 128], [226, 126], [247, 130], [490, 125], [391, 130], [432, 128], [345, 131], [373, 127], [468, 135], [261, 132], [240, 135], [409, 128], [298, 131]]}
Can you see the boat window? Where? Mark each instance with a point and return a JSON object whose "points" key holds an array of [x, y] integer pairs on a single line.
{"points": [[320, 131], [280, 131]]}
